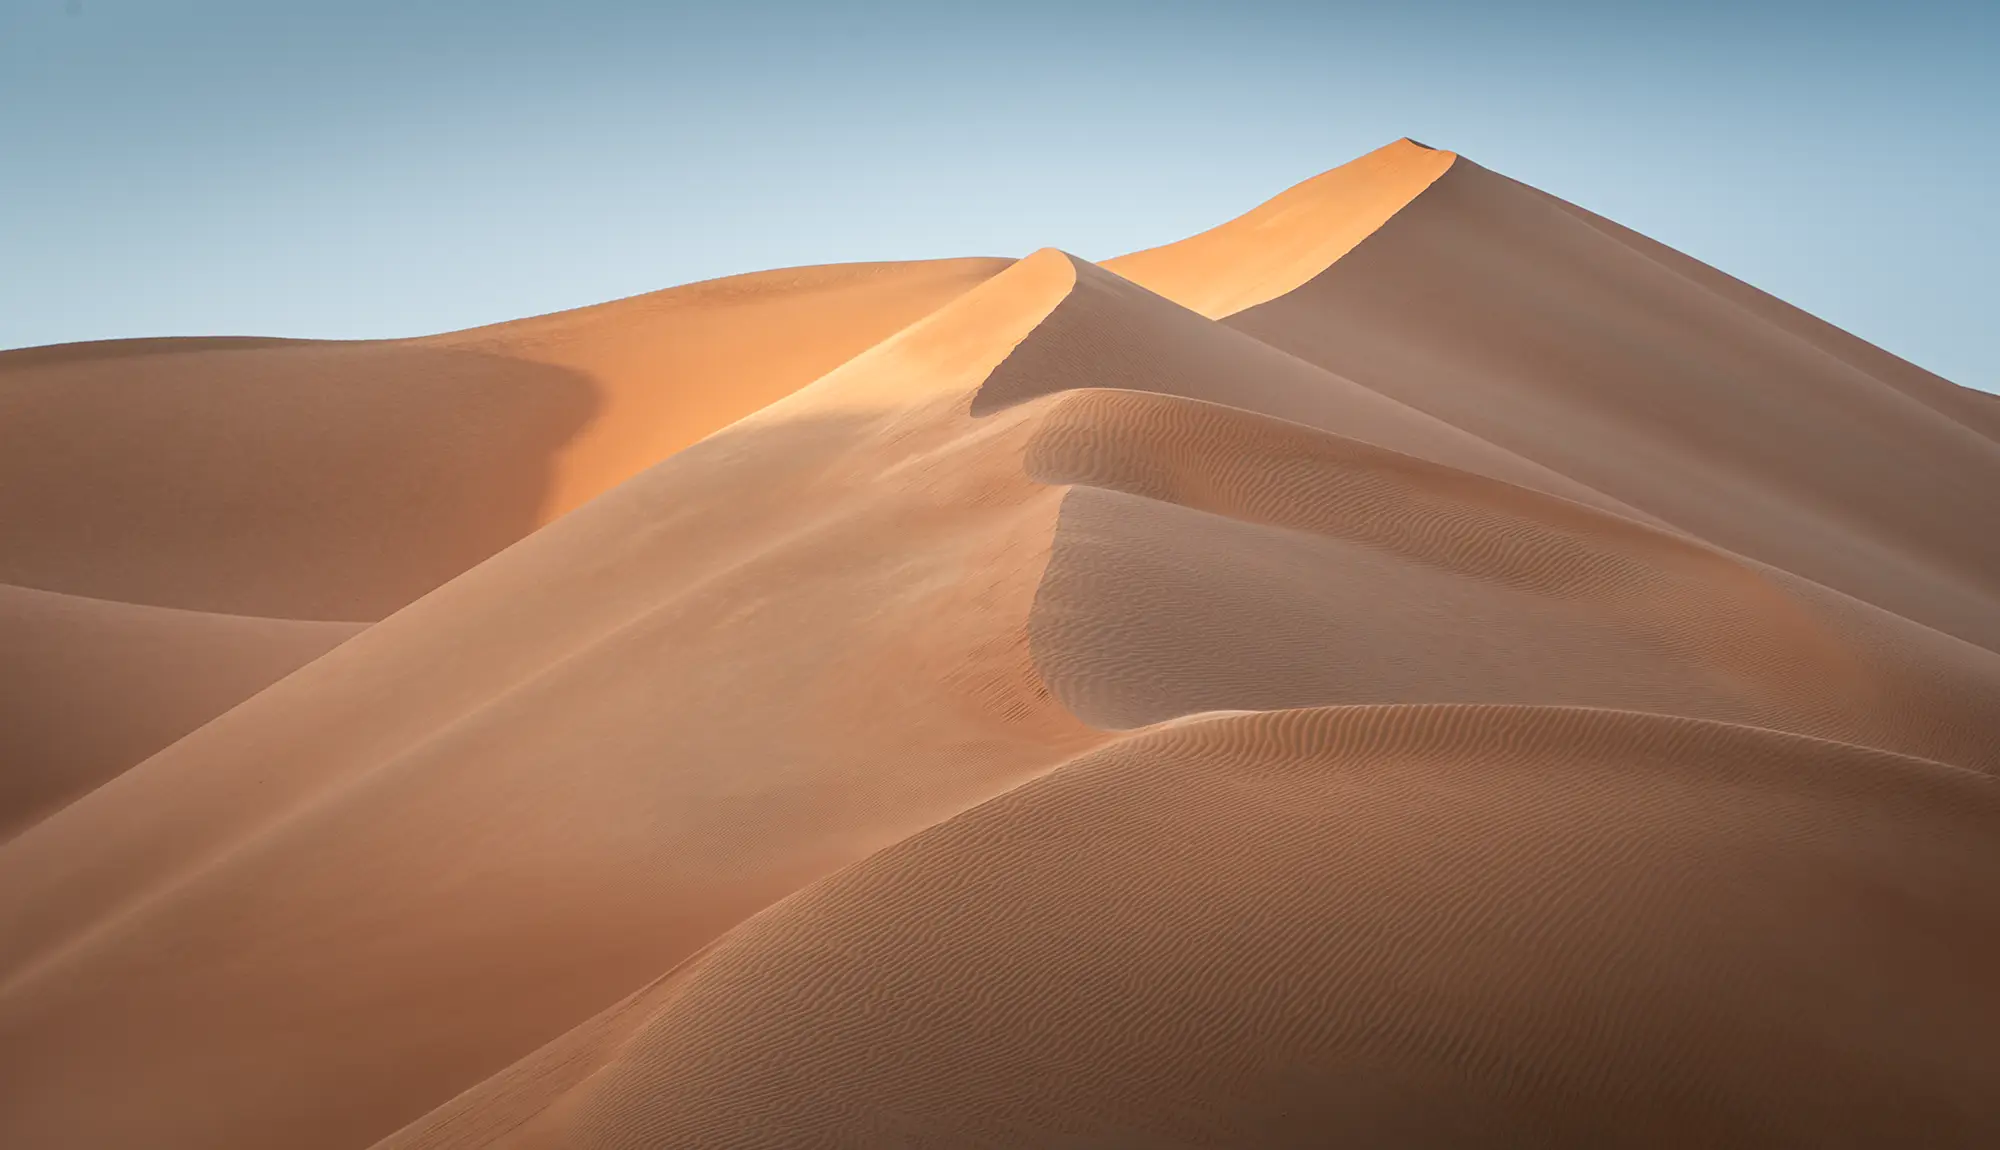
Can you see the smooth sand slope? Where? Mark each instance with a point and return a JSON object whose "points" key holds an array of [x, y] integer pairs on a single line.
{"points": [[320, 480], [88, 687], [1531, 323], [257, 487], [1372, 926], [1411, 925], [516, 801], [1077, 720], [1291, 238]]}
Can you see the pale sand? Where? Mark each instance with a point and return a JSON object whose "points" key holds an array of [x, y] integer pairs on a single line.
{"points": [[1506, 685]]}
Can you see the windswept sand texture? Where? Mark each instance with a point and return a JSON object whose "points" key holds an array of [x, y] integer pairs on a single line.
{"points": [[1416, 666]]}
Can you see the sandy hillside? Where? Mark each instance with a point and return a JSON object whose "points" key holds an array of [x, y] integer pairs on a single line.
{"points": [[336, 480], [1418, 665], [89, 687], [185, 521]]}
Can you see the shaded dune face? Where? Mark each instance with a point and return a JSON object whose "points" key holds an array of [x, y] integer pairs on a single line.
{"points": [[302, 480], [1505, 312], [1213, 557], [1217, 560], [90, 687], [1635, 906], [1110, 333], [1071, 720]]}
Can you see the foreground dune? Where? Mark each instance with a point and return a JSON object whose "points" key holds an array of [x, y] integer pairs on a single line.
{"points": [[1416, 666], [1315, 927]]}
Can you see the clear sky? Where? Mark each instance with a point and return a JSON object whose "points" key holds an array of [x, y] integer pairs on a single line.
{"points": [[354, 168]]}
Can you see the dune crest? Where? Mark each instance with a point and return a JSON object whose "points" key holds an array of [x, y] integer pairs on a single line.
{"points": [[627, 641], [1286, 241], [1411, 666], [340, 480], [1516, 317], [294, 487], [1277, 929]]}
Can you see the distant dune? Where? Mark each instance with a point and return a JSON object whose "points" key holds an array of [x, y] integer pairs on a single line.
{"points": [[326, 480], [295, 481], [1417, 665]]}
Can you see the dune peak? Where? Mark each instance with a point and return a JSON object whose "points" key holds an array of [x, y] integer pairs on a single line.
{"points": [[1287, 240]]}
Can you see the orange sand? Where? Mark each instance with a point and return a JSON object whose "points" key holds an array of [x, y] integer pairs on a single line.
{"points": [[1435, 669], [319, 480]]}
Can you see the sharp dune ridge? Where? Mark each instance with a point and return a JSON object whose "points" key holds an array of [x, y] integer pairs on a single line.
{"points": [[1416, 665]]}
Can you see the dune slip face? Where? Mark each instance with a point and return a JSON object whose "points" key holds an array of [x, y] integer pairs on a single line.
{"points": [[1417, 665]]}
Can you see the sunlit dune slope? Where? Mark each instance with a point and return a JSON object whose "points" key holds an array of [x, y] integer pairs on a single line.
{"points": [[176, 514], [321, 480], [1416, 924], [1072, 719], [518, 800], [1289, 239]]}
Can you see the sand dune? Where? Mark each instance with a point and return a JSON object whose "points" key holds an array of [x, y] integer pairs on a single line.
{"points": [[1401, 926], [1521, 319], [318, 480], [1288, 240], [284, 480], [568, 758], [1414, 666], [1214, 560], [88, 688]]}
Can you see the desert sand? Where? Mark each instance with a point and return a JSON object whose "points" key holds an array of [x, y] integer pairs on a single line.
{"points": [[1416, 665]]}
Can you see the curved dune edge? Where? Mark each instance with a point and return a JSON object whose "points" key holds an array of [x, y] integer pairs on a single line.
{"points": [[1211, 558], [224, 504], [1298, 539], [621, 643], [1280, 927], [339, 481], [1816, 660], [1109, 333], [675, 366], [1662, 384], [925, 375], [1287, 240], [89, 687]]}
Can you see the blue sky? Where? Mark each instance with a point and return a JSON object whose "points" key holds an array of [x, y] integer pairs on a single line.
{"points": [[365, 168]]}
